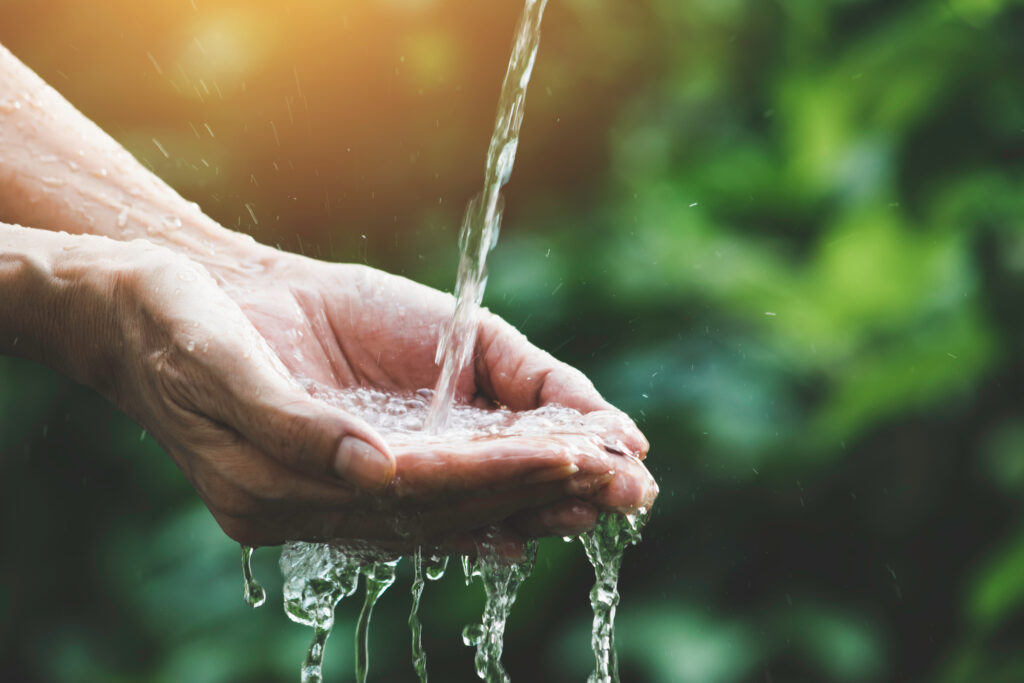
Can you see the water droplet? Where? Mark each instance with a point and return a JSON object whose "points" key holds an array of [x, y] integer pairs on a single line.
{"points": [[254, 593], [161, 148]]}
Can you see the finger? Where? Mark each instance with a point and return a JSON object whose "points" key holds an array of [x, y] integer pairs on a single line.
{"points": [[569, 517], [518, 374], [431, 467], [451, 525], [620, 434], [629, 489], [236, 467], [274, 413], [522, 376]]}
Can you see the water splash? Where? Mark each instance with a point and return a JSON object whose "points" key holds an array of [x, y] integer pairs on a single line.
{"points": [[605, 546], [379, 576], [254, 594], [501, 580], [317, 577], [482, 222]]}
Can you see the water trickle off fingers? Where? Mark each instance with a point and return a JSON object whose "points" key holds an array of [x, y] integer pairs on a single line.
{"points": [[501, 580], [378, 576], [419, 657], [254, 594], [605, 546], [317, 576]]}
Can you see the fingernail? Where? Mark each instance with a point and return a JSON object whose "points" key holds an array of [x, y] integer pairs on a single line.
{"points": [[363, 465]]}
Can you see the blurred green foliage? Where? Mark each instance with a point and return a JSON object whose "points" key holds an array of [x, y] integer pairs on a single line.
{"points": [[785, 235]]}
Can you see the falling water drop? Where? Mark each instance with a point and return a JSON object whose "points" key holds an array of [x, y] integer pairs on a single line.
{"points": [[254, 593]]}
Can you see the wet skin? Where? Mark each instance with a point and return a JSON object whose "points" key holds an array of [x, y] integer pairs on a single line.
{"points": [[199, 334]]}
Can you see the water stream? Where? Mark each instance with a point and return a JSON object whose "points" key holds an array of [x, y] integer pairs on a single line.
{"points": [[605, 546], [501, 580], [419, 657], [429, 568], [378, 576], [482, 220]]}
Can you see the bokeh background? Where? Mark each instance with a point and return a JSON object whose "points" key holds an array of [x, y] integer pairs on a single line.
{"points": [[785, 235]]}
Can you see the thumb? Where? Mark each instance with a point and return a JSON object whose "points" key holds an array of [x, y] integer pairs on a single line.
{"points": [[318, 439], [278, 417]]}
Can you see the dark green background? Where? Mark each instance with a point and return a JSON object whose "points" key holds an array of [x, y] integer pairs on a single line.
{"points": [[785, 235]]}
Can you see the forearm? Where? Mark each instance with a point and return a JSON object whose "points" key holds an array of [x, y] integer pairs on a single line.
{"points": [[59, 171]]}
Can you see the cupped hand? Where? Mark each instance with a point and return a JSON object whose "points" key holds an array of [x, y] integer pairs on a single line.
{"points": [[345, 325]]}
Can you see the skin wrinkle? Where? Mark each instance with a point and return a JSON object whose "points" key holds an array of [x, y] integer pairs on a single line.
{"points": [[343, 343], [538, 398], [484, 379], [331, 356]]}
